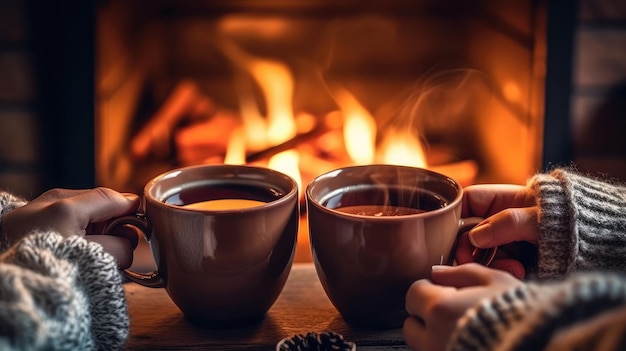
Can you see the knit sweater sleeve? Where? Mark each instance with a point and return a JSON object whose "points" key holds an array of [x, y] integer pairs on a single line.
{"points": [[8, 202], [59, 293], [585, 312], [582, 224]]}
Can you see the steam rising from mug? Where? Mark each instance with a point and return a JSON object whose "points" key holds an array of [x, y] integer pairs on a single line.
{"points": [[366, 261]]}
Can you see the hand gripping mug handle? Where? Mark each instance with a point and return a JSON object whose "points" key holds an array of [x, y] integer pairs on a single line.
{"points": [[482, 256], [153, 279]]}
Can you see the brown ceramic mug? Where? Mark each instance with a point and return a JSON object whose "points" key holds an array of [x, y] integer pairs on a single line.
{"points": [[376, 229], [223, 238]]}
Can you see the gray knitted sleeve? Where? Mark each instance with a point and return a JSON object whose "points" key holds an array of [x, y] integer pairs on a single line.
{"points": [[550, 316], [582, 224], [60, 294], [8, 202]]}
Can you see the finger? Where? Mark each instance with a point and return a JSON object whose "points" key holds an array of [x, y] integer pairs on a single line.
{"points": [[127, 231], [59, 194], [505, 227], [414, 333], [101, 204], [484, 200], [464, 275], [464, 249], [514, 267], [120, 248], [420, 295]]}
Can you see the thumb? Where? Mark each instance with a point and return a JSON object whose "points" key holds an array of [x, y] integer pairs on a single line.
{"points": [[505, 227]]}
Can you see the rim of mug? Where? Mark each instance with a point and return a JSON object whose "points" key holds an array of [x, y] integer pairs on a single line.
{"points": [[449, 207], [148, 196]]}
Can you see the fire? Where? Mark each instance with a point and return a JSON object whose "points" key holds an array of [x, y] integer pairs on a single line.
{"points": [[236, 149], [402, 148], [276, 84], [287, 162], [280, 125], [359, 130]]}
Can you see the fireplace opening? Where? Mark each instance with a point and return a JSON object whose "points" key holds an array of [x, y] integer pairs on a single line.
{"points": [[308, 86]]}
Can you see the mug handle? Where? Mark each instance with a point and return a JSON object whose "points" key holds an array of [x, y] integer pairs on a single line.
{"points": [[482, 256], [153, 279]]}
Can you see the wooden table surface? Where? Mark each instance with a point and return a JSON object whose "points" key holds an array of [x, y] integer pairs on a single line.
{"points": [[157, 324]]}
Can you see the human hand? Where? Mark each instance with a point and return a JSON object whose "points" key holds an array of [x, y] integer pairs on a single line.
{"points": [[77, 212], [511, 217], [435, 306]]}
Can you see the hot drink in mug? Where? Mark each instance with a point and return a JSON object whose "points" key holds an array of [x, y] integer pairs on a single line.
{"points": [[223, 238], [376, 229]]}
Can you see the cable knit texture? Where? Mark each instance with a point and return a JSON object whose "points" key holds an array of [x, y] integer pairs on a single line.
{"points": [[59, 294], [8, 202], [530, 316], [582, 231]]}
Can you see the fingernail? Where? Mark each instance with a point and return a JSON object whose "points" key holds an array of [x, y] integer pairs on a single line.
{"points": [[481, 235], [131, 196], [440, 267]]}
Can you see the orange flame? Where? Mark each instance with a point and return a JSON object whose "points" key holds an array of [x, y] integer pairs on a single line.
{"points": [[279, 125], [359, 130], [276, 83], [402, 148], [236, 149]]}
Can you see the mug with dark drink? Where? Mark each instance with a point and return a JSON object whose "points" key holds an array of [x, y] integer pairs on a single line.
{"points": [[376, 229], [223, 238]]}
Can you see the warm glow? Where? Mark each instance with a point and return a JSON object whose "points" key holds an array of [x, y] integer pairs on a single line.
{"points": [[287, 162], [277, 126], [402, 148], [262, 28], [236, 150], [254, 123], [359, 129], [276, 82], [512, 92]]}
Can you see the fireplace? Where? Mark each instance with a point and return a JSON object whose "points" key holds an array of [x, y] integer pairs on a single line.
{"points": [[466, 81], [460, 85], [130, 89]]}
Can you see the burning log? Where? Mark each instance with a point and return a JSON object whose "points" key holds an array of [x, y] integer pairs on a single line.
{"points": [[313, 134], [185, 101], [206, 140]]}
